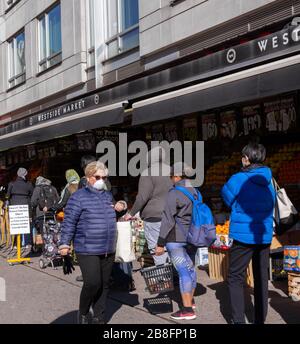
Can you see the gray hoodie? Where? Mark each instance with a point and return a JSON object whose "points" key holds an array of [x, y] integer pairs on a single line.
{"points": [[177, 215], [154, 185]]}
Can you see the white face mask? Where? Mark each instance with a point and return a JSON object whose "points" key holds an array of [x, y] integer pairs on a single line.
{"points": [[100, 185]]}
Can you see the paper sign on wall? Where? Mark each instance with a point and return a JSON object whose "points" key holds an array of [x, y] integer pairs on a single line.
{"points": [[19, 219]]}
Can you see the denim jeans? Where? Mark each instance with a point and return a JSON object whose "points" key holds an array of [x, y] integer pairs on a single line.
{"points": [[152, 230], [183, 257]]}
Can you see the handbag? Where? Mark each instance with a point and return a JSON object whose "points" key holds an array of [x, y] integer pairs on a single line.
{"points": [[285, 214], [124, 248]]}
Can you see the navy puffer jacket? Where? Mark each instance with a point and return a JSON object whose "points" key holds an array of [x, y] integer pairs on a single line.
{"points": [[90, 221]]}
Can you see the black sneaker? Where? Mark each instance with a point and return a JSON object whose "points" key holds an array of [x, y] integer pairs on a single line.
{"points": [[98, 321], [184, 315], [79, 278], [82, 319]]}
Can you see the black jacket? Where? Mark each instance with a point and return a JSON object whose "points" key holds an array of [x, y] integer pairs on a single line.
{"points": [[19, 192]]}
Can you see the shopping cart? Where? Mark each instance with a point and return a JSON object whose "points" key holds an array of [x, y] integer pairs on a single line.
{"points": [[159, 279]]}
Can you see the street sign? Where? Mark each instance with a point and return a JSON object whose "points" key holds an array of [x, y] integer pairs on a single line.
{"points": [[19, 219]]}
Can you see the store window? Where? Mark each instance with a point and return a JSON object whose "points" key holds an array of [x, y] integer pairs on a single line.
{"points": [[16, 56], [123, 26], [50, 38], [91, 33]]}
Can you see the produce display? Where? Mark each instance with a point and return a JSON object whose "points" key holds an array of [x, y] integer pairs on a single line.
{"points": [[223, 241], [292, 258], [218, 173]]}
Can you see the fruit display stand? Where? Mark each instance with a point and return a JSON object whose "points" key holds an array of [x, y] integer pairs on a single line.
{"points": [[218, 259], [218, 256], [292, 266]]}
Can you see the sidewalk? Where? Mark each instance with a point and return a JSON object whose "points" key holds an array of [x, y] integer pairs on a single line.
{"points": [[47, 296]]}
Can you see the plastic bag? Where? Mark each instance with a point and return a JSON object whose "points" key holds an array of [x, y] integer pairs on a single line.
{"points": [[124, 248]]}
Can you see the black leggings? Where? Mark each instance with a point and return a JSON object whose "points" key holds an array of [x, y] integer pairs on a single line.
{"points": [[96, 272]]}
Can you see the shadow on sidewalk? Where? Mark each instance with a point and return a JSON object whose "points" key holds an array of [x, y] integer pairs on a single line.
{"points": [[71, 317], [285, 307], [222, 295]]}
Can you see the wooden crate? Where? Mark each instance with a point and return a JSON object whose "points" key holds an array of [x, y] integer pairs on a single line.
{"points": [[294, 285], [219, 264]]}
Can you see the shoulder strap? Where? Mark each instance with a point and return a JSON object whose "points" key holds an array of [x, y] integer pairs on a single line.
{"points": [[188, 194]]}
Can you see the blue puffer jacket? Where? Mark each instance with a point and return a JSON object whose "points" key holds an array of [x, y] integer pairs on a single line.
{"points": [[251, 196], [90, 220]]}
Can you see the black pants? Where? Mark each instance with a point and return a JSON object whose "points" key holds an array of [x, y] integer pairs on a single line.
{"points": [[96, 272], [239, 259]]}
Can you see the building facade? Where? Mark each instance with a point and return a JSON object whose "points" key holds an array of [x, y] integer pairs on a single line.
{"points": [[72, 66]]}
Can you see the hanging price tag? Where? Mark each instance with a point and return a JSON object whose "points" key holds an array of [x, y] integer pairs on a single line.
{"points": [[209, 127], [228, 124], [251, 119]]}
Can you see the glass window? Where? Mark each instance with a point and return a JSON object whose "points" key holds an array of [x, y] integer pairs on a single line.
{"points": [[17, 60], [50, 38], [122, 28]]}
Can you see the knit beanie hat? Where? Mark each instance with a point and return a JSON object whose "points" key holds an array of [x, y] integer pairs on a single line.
{"points": [[22, 172], [72, 176]]}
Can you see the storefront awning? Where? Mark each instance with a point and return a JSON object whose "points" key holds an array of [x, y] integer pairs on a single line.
{"points": [[64, 126], [263, 81]]}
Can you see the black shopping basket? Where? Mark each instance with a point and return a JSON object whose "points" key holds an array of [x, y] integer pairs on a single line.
{"points": [[159, 279]]}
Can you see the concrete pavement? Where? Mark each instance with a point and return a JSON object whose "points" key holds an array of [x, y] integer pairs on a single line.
{"points": [[38, 296]]}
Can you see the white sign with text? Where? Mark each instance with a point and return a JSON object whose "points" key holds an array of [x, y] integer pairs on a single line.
{"points": [[19, 219]]}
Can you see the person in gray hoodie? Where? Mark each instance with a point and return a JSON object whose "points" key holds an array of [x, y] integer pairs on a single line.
{"points": [[154, 185]]}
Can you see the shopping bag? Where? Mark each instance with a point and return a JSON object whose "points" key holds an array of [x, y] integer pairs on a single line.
{"points": [[124, 248], [285, 214]]}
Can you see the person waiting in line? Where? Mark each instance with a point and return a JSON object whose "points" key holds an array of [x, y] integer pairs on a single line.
{"points": [[90, 222], [73, 180], [251, 196], [175, 224], [19, 193], [154, 185], [44, 196]]}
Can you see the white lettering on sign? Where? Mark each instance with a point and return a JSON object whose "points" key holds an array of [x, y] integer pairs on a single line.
{"points": [[19, 219], [263, 45]]}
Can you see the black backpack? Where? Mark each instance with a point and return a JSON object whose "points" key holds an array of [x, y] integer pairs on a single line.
{"points": [[48, 196]]}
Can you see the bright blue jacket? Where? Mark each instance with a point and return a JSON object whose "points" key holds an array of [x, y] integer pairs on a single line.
{"points": [[251, 196], [90, 220]]}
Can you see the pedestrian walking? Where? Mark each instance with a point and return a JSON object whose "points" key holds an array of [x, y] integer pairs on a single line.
{"points": [[175, 224], [85, 160], [19, 193], [90, 222], [154, 185], [251, 196]]}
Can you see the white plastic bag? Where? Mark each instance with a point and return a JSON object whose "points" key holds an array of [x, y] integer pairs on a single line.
{"points": [[124, 249]]}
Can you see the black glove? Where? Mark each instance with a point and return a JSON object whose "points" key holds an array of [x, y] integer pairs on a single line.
{"points": [[68, 266]]}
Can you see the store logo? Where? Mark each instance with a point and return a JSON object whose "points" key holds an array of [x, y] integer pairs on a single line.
{"points": [[231, 56], [2, 290], [144, 161]]}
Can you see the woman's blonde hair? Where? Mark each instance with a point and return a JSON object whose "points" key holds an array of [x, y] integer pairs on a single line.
{"points": [[93, 167]]}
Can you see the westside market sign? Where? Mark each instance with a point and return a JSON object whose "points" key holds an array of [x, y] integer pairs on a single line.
{"points": [[68, 109], [273, 46]]}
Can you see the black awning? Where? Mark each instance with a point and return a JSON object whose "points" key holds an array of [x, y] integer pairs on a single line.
{"points": [[96, 118], [261, 85]]}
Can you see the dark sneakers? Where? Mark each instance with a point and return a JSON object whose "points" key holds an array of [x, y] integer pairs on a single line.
{"points": [[83, 319], [98, 321], [184, 314], [79, 278]]}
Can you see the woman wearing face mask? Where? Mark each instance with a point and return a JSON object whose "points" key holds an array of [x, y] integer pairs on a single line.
{"points": [[251, 196], [90, 221]]}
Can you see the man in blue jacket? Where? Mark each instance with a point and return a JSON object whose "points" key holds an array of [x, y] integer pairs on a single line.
{"points": [[251, 196]]}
